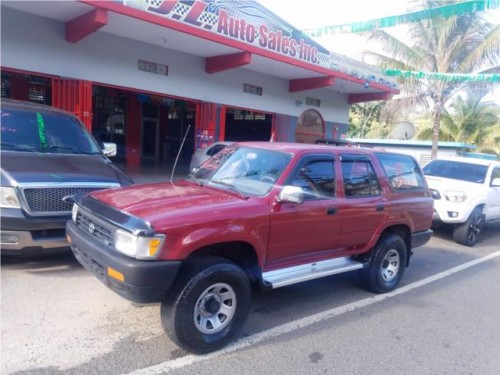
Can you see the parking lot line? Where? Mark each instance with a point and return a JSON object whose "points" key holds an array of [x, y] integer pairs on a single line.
{"points": [[187, 360]]}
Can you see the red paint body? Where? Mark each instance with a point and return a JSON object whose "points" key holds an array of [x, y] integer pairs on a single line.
{"points": [[283, 234]]}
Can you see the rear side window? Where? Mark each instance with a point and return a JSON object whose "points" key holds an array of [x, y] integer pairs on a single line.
{"points": [[402, 171], [44, 132], [359, 177]]}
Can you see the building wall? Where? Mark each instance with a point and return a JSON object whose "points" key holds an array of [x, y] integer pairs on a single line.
{"points": [[39, 46]]}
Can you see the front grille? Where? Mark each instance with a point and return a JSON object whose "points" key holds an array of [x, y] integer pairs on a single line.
{"points": [[43, 201], [99, 229]]}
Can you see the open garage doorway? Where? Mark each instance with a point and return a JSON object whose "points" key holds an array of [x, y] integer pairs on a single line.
{"points": [[247, 125]]}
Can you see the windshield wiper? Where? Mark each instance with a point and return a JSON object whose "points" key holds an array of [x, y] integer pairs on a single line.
{"points": [[19, 147], [61, 148], [230, 187]]}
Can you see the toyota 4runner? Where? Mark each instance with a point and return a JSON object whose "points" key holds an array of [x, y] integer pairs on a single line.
{"points": [[255, 214]]}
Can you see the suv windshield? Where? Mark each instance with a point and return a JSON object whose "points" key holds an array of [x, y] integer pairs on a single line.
{"points": [[45, 132], [246, 170], [456, 170]]}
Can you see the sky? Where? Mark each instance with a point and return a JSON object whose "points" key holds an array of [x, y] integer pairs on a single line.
{"points": [[306, 14]]}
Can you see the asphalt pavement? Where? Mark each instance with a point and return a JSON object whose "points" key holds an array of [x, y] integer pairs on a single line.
{"points": [[56, 318]]}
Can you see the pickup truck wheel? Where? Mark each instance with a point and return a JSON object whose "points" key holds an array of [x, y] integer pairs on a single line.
{"points": [[468, 232], [209, 308], [387, 266]]}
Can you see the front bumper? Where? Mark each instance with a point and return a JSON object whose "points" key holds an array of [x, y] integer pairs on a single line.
{"points": [[143, 281], [451, 213], [20, 235]]}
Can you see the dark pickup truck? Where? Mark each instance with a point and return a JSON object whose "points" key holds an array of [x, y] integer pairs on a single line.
{"points": [[47, 157], [266, 215]]}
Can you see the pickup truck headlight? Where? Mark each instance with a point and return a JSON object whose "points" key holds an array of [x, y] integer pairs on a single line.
{"points": [[8, 197], [74, 212], [455, 196], [139, 247]]}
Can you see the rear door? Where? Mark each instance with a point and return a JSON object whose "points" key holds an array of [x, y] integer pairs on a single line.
{"points": [[363, 205], [301, 232]]}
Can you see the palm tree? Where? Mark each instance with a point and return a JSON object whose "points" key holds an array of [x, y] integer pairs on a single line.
{"points": [[470, 120], [465, 44]]}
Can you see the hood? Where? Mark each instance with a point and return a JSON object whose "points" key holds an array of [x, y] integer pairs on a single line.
{"points": [[442, 184], [24, 167], [159, 201]]}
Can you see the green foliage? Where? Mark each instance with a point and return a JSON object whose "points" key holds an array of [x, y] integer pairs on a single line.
{"points": [[469, 120], [362, 116], [465, 44]]}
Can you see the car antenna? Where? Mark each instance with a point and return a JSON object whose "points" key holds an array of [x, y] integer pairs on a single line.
{"points": [[179, 153]]}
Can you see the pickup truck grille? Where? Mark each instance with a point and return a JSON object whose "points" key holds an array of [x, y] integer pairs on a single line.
{"points": [[48, 201], [100, 230]]}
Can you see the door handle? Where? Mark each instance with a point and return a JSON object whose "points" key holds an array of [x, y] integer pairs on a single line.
{"points": [[331, 211], [379, 207]]}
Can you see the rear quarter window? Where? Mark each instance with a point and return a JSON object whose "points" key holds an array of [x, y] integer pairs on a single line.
{"points": [[402, 171]]}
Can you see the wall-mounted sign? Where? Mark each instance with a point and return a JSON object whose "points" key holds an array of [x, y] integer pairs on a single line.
{"points": [[249, 22], [245, 21], [151, 67], [251, 89], [313, 102]]}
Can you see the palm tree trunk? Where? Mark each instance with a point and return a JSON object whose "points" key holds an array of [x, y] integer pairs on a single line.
{"points": [[436, 124]]}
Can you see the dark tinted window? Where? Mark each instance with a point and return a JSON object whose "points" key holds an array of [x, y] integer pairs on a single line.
{"points": [[359, 178], [456, 170], [402, 171], [315, 177], [44, 132], [215, 149]]}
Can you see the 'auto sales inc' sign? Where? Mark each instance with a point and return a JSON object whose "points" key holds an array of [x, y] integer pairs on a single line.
{"points": [[244, 21]]}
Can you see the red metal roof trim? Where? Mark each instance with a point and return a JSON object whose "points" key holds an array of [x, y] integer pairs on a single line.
{"points": [[195, 31], [88, 23]]}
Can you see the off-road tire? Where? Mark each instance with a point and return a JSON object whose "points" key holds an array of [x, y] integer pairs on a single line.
{"points": [[468, 232], [207, 307], [387, 265]]}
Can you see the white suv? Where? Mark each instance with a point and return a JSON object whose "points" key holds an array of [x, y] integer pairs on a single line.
{"points": [[466, 193]]}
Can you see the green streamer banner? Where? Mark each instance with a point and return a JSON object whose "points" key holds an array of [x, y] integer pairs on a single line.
{"points": [[445, 77], [445, 11]]}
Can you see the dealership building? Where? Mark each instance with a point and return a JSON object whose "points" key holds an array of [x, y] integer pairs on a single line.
{"points": [[148, 74]]}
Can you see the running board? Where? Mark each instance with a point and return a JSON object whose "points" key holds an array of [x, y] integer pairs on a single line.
{"points": [[310, 271]]}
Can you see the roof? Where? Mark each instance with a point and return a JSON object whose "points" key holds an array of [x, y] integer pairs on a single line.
{"points": [[476, 161], [304, 147], [206, 29], [410, 143], [30, 106]]}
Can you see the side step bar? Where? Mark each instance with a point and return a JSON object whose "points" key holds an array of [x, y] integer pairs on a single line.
{"points": [[310, 271]]}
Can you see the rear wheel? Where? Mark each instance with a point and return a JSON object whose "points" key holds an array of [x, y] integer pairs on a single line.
{"points": [[209, 308], [387, 266], [468, 232]]}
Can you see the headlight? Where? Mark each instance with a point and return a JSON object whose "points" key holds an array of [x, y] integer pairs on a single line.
{"points": [[455, 196], [8, 198], [74, 212], [138, 247]]}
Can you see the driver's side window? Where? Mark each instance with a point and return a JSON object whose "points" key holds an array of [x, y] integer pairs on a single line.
{"points": [[315, 177]]}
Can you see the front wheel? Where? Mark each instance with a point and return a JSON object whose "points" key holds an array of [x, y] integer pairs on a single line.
{"points": [[468, 232], [387, 266], [209, 309]]}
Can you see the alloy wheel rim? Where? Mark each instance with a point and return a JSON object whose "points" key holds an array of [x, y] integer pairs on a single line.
{"points": [[390, 265], [215, 308]]}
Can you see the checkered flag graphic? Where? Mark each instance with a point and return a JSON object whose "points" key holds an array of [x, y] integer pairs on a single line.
{"points": [[180, 10], [208, 20], [153, 3]]}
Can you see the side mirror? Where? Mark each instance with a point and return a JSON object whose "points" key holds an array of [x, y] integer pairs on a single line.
{"points": [[291, 194], [109, 149], [495, 182]]}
